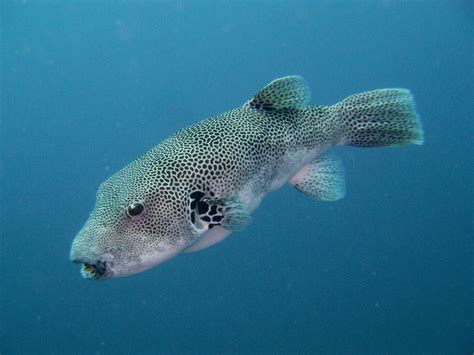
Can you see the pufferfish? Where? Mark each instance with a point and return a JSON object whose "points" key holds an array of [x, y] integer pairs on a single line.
{"points": [[198, 186]]}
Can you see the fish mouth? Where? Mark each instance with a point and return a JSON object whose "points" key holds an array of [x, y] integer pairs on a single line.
{"points": [[95, 271]]}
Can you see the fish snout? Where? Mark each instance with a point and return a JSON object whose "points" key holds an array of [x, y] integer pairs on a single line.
{"points": [[85, 251], [93, 269]]}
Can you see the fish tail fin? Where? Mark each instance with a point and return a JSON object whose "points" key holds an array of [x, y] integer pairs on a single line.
{"points": [[378, 118]]}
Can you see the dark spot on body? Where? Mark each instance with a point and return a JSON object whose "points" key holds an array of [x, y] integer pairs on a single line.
{"points": [[213, 210], [203, 207], [197, 195], [217, 218]]}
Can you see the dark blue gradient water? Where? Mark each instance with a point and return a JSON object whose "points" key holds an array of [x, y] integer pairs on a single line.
{"points": [[86, 87]]}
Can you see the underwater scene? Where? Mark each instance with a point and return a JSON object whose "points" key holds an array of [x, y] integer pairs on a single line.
{"points": [[237, 177]]}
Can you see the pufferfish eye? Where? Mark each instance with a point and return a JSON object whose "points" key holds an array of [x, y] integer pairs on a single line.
{"points": [[135, 209]]}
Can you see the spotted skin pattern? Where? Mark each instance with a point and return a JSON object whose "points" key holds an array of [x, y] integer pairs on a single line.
{"points": [[215, 172]]}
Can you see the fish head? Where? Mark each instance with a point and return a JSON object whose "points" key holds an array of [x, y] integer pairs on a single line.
{"points": [[140, 219]]}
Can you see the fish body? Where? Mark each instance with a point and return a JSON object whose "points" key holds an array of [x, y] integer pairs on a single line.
{"points": [[203, 182]]}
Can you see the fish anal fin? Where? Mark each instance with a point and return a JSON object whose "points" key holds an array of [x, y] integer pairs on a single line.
{"points": [[289, 92], [322, 179]]}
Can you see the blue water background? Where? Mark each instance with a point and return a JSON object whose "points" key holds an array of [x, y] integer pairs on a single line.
{"points": [[88, 86]]}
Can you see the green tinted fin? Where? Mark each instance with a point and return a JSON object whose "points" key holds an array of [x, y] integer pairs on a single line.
{"points": [[288, 92], [322, 179], [236, 215], [379, 118]]}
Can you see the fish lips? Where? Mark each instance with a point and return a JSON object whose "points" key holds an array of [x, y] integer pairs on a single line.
{"points": [[97, 270]]}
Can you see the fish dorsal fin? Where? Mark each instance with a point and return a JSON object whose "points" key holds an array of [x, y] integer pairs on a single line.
{"points": [[284, 93]]}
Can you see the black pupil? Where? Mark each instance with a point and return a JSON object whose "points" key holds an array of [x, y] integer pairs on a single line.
{"points": [[135, 209]]}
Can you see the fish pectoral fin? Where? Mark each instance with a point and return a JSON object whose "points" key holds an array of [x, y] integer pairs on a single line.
{"points": [[236, 215], [322, 179], [206, 213], [289, 92]]}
